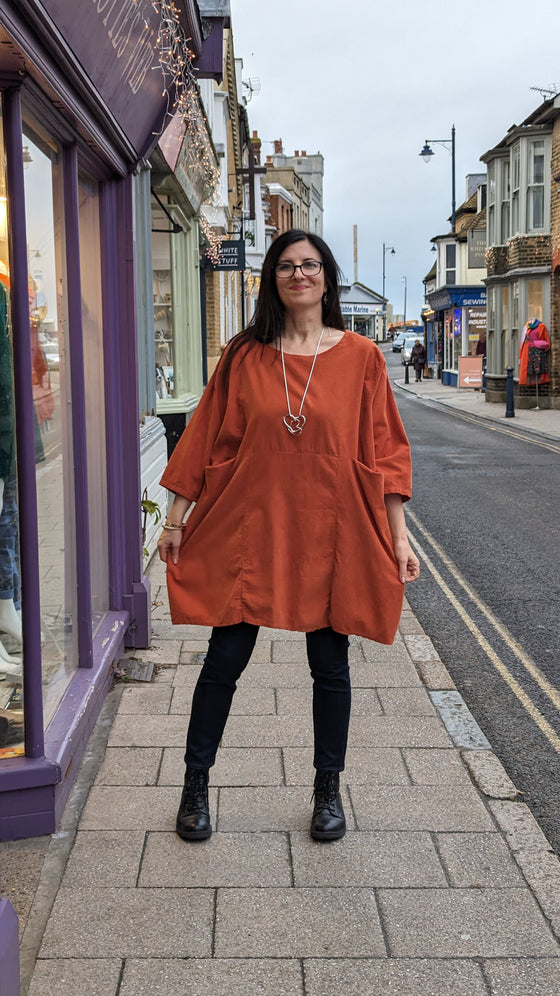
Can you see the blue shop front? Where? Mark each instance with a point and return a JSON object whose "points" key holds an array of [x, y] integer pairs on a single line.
{"points": [[457, 327]]}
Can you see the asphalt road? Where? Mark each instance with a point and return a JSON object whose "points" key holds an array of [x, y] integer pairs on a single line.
{"points": [[485, 514]]}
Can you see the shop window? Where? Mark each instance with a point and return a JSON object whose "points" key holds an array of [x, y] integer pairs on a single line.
{"points": [[11, 675], [476, 318], [163, 307], [52, 402], [515, 325], [92, 329]]}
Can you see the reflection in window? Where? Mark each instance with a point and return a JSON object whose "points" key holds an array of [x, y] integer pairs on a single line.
{"points": [[163, 305], [11, 671], [51, 396]]}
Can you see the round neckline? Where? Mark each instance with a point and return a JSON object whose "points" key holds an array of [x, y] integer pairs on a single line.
{"points": [[308, 356]]}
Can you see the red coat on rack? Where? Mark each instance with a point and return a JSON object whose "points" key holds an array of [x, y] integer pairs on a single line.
{"points": [[535, 333]]}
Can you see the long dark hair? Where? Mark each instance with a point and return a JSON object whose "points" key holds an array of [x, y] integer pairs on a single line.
{"points": [[267, 323]]}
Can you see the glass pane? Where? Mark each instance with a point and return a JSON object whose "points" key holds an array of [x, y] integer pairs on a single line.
{"points": [[538, 162], [163, 305], [534, 300], [11, 680], [505, 307], [52, 400], [536, 207], [92, 324]]}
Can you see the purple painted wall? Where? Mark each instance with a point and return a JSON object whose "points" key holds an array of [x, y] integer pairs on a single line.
{"points": [[9, 950]]}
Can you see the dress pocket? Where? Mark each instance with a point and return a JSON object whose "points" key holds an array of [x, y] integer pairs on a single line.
{"points": [[371, 486]]}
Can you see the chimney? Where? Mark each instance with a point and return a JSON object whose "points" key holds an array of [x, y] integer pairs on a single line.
{"points": [[278, 150], [303, 153], [269, 161], [296, 154]]}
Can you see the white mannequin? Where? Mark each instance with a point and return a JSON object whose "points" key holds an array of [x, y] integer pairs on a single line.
{"points": [[10, 621]]}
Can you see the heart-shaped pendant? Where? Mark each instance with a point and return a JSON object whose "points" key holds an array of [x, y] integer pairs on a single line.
{"points": [[294, 423]]}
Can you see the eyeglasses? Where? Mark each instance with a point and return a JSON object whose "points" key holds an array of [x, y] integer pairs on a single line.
{"points": [[309, 268]]}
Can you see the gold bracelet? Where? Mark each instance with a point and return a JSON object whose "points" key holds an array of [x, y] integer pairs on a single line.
{"points": [[173, 525]]}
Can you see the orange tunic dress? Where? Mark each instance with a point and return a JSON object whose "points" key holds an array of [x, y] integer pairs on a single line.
{"points": [[289, 531]]}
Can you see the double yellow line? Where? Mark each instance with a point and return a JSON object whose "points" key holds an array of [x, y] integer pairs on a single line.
{"points": [[529, 665]]}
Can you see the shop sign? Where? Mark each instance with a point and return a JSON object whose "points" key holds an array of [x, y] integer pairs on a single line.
{"points": [[476, 245], [358, 309], [470, 371], [115, 41], [231, 256]]}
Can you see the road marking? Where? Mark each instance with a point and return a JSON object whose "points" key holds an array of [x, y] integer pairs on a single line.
{"points": [[525, 435], [541, 680], [519, 692]]}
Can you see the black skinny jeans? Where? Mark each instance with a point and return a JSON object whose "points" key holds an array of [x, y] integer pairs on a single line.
{"points": [[228, 654]]}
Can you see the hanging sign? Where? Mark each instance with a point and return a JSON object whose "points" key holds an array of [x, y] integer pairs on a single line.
{"points": [[231, 256]]}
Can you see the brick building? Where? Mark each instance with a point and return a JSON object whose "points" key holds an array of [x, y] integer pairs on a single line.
{"points": [[523, 255]]}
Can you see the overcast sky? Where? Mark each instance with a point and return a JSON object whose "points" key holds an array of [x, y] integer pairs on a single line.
{"points": [[367, 83]]}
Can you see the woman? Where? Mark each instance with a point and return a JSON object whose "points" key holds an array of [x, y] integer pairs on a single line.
{"points": [[298, 463], [418, 356]]}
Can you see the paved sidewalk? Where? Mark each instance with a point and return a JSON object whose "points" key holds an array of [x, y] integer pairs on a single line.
{"points": [[543, 421], [443, 886]]}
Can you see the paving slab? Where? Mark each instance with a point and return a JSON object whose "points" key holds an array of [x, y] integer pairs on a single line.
{"points": [[212, 977], [246, 701], [476, 860], [396, 653], [268, 731], [148, 731], [436, 767], [257, 676], [405, 702], [420, 807], [130, 766], [104, 859], [289, 651], [385, 674], [146, 699], [234, 766], [523, 976], [389, 860], [151, 807], [162, 650], [226, 859], [471, 923], [297, 923], [489, 774], [130, 923], [268, 809], [398, 731], [395, 976], [76, 977], [520, 827], [364, 766]]}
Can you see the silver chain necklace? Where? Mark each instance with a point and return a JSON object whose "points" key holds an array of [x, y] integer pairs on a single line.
{"points": [[295, 423]]}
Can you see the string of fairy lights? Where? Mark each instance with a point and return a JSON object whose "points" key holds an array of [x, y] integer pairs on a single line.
{"points": [[180, 86]]}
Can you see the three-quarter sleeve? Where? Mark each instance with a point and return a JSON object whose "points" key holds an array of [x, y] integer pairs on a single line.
{"points": [[212, 436]]}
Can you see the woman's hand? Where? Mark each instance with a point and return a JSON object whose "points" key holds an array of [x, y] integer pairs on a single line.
{"points": [[409, 565], [170, 539], [169, 544]]}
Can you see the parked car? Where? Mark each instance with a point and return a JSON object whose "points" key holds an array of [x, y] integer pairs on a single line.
{"points": [[406, 351], [398, 341]]}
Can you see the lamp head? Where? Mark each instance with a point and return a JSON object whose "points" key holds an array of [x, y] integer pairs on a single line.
{"points": [[426, 153]]}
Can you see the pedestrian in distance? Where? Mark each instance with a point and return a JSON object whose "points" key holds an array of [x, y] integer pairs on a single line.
{"points": [[418, 356], [298, 465]]}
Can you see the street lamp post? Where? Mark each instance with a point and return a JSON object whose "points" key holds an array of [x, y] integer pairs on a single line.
{"points": [[427, 154], [386, 249], [404, 315]]}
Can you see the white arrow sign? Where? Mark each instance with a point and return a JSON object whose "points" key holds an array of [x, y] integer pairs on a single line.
{"points": [[473, 380]]}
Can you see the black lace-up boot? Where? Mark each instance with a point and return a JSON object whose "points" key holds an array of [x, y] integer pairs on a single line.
{"points": [[193, 818], [327, 822]]}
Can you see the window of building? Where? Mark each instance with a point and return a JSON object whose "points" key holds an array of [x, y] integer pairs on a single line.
{"points": [[515, 325], [515, 184], [450, 263], [491, 331], [505, 201], [535, 290], [491, 195], [535, 186]]}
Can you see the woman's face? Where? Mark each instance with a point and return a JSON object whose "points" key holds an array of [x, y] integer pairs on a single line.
{"points": [[301, 290]]}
